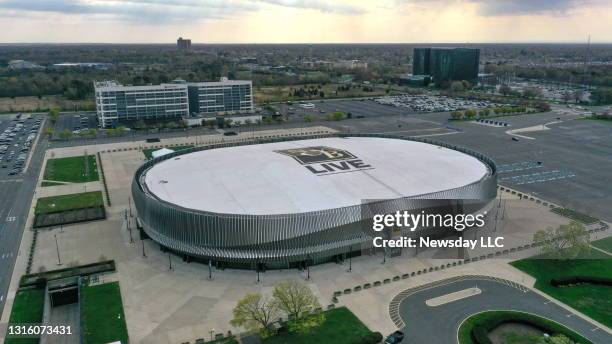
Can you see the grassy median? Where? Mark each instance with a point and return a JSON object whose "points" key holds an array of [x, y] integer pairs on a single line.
{"points": [[488, 321], [594, 300], [102, 316], [27, 309], [56, 204], [341, 326], [76, 169]]}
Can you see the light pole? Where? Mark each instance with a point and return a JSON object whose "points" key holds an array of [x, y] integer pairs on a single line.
{"points": [[169, 261], [210, 269], [59, 262], [130, 205], [143, 249], [350, 259], [130, 229]]}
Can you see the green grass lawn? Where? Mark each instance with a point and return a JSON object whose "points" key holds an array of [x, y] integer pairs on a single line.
{"points": [[68, 202], [604, 244], [102, 317], [73, 169], [486, 319], [590, 299], [147, 152], [27, 309], [340, 327]]}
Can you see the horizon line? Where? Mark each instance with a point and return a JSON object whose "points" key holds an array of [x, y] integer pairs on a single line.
{"points": [[305, 43]]}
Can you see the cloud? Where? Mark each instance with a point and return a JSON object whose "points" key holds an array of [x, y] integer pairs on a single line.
{"points": [[524, 7], [506, 7], [165, 11], [323, 6], [153, 11]]}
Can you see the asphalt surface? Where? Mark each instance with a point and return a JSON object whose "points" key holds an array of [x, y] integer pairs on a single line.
{"points": [[15, 198], [8, 158], [425, 324]]}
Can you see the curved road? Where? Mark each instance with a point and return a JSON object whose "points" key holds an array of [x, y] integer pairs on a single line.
{"points": [[424, 324]]}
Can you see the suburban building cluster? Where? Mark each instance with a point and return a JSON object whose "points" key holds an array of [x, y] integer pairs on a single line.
{"points": [[116, 103]]}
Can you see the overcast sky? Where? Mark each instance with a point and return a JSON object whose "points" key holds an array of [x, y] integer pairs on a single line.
{"points": [[305, 21]]}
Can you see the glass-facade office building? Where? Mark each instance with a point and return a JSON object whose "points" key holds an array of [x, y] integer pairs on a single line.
{"points": [[447, 64], [221, 97], [420, 61], [117, 103]]}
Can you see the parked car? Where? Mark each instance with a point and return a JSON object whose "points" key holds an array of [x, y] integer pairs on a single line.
{"points": [[395, 337]]}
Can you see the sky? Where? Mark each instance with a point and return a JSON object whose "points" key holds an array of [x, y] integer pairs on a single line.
{"points": [[305, 21]]}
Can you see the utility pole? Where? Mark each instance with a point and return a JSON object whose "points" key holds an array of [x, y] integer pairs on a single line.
{"points": [[59, 262]]}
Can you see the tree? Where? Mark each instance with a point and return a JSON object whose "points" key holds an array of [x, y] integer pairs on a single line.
{"points": [[484, 112], [65, 134], [54, 114], [255, 313], [49, 132], [210, 123], [542, 106], [457, 86], [470, 113], [531, 92], [566, 242], [456, 114], [140, 124], [577, 95], [299, 303], [308, 118], [505, 90], [295, 299]]}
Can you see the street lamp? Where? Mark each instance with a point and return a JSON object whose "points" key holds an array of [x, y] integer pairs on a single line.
{"points": [[130, 229], [59, 262], [350, 259], [209, 269], [143, 248], [169, 261]]}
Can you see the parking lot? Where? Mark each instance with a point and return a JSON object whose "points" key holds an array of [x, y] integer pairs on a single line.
{"points": [[17, 135], [75, 123], [432, 103], [357, 108]]}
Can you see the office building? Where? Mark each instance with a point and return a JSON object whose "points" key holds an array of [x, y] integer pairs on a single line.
{"points": [[117, 103], [183, 44], [447, 64], [220, 97]]}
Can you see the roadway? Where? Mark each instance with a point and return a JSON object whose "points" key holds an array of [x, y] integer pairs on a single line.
{"points": [[15, 199], [423, 323]]}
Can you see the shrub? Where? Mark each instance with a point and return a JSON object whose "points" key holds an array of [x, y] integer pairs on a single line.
{"points": [[371, 338], [568, 280], [480, 335]]}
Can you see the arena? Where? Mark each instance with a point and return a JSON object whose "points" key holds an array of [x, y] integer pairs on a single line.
{"points": [[295, 202]]}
